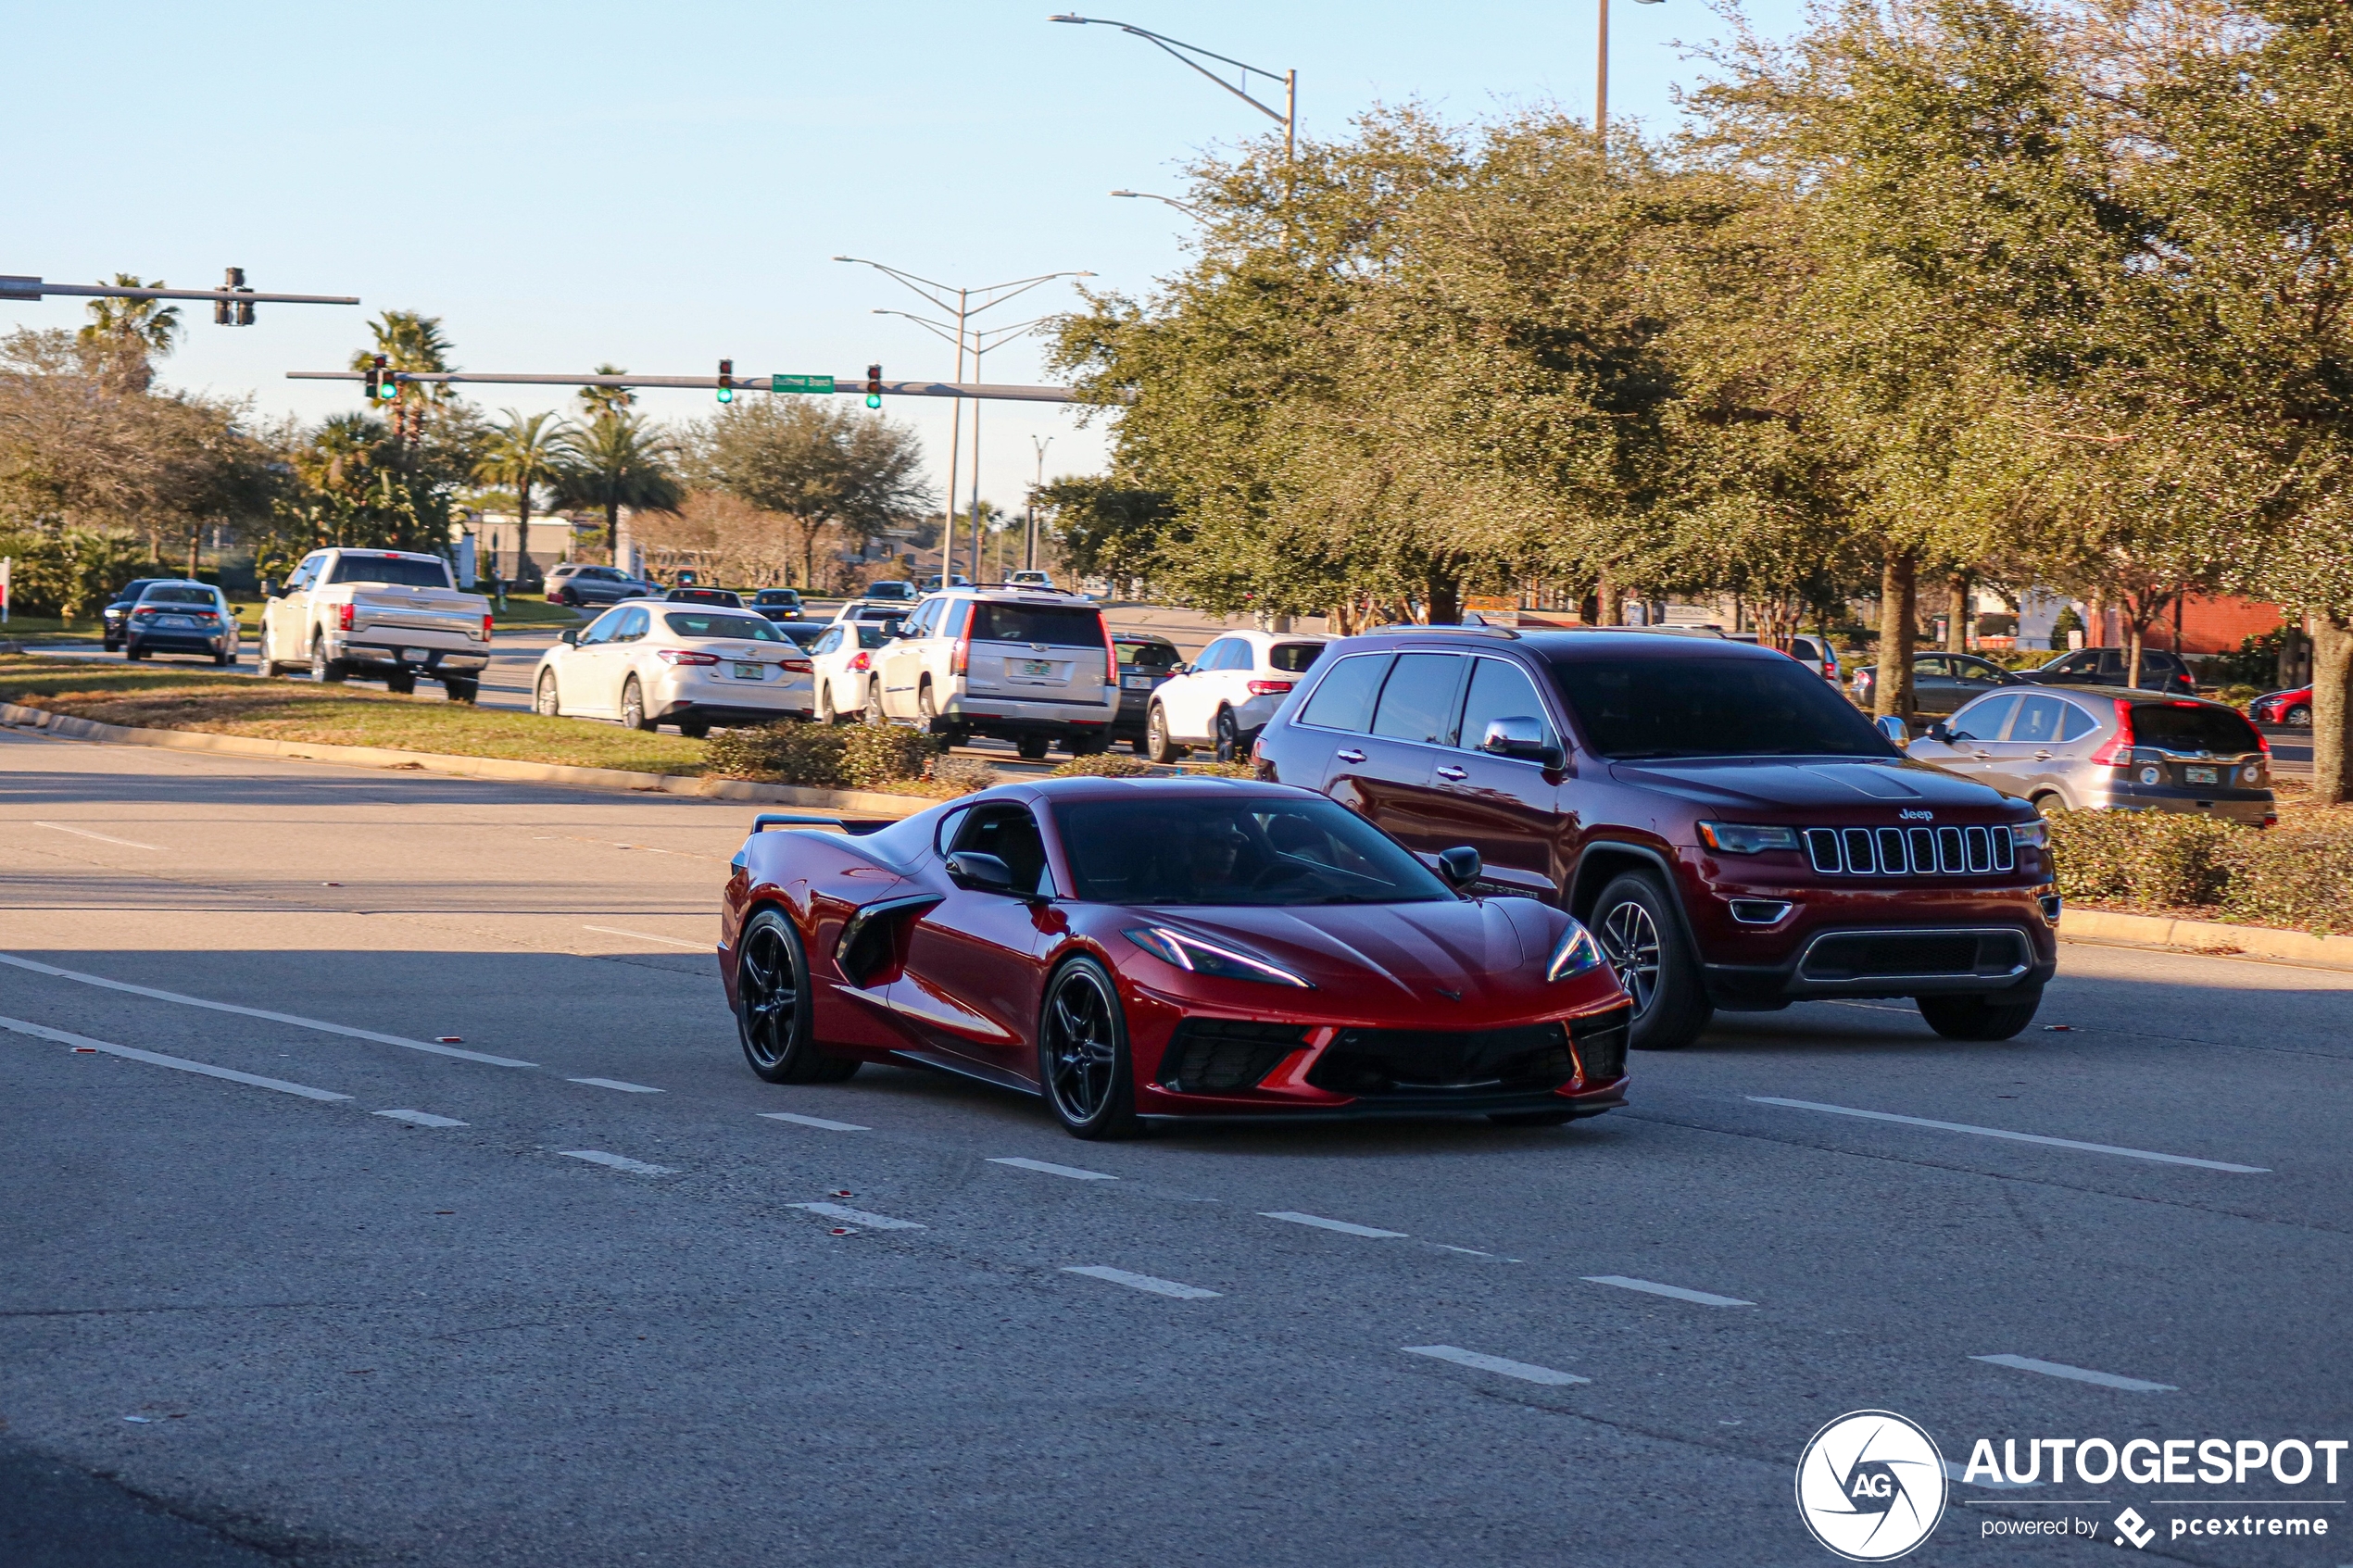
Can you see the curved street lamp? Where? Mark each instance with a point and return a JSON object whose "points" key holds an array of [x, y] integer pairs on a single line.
{"points": [[1184, 53]]}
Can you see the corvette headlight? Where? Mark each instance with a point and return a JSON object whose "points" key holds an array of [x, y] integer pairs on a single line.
{"points": [[1576, 953], [1190, 952]]}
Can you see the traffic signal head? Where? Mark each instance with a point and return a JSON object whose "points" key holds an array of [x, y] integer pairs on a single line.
{"points": [[221, 308], [873, 386], [381, 383], [726, 381]]}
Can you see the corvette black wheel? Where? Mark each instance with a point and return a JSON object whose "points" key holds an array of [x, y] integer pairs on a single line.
{"points": [[1082, 1053], [770, 1014]]}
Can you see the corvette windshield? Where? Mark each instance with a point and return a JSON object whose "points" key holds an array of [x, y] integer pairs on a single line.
{"points": [[1264, 851]]}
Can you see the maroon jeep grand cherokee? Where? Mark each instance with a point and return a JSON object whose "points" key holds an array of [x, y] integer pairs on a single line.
{"points": [[1735, 833]]}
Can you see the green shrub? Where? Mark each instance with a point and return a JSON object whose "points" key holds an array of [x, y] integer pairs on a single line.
{"points": [[1105, 765], [2291, 876], [2161, 859], [811, 755], [962, 775], [881, 754], [1221, 771]]}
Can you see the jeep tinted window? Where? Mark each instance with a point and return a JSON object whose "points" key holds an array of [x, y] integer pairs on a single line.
{"points": [[1499, 690], [1631, 707], [1057, 626], [1344, 700], [1417, 702]]}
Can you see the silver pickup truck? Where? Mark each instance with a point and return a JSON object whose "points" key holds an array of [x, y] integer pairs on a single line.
{"points": [[384, 613]]}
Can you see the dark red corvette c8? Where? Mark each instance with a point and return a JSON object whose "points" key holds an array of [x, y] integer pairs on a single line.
{"points": [[1165, 948]]}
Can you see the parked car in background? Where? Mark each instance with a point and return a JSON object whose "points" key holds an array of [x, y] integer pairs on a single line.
{"points": [[582, 587], [1146, 663], [1225, 698], [388, 613], [725, 598], [873, 610], [2082, 747], [1032, 667], [174, 616], [803, 635], [656, 662], [1029, 580], [843, 663], [778, 604], [892, 590], [934, 585], [1941, 682], [2161, 671], [118, 610], [1815, 653], [1735, 833], [2292, 708]]}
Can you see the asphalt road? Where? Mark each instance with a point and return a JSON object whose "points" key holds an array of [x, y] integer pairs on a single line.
{"points": [[370, 1298]]}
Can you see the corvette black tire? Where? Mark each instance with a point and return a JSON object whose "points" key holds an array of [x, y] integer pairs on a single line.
{"points": [[1082, 1053], [1980, 1018], [1637, 926], [772, 1006]]}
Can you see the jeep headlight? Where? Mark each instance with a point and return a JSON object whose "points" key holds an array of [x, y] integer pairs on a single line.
{"points": [[1746, 838]]}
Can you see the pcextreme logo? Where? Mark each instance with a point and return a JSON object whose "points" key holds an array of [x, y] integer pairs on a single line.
{"points": [[1871, 1486]]}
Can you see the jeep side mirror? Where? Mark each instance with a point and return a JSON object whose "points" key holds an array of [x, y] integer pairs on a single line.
{"points": [[1898, 733], [568, 634], [1940, 733], [1522, 738], [980, 873], [1459, 866]]}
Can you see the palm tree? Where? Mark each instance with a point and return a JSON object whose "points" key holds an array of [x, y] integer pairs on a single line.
{"points": [[527, 450], [413, 343], [608, 400], [130, 332], [617, 460]]}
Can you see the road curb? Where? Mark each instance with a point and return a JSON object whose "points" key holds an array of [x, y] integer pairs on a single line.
{"points": [[860, 802], [2257, 941]]}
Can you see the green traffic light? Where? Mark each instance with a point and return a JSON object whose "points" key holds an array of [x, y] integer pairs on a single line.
{"points": [[726, 394], [874, 400]]}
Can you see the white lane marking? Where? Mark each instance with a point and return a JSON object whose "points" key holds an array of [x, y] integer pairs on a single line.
{"points": [[1527, 1372], [1467, 1251], [858, 1217], [1342, 1226], [614, 1083], [153, 1059], [2080, 1374], [618, 1161], [647, 937], [323, 1028], [422, 1118], [814, 1122], [1073, 1171], [1626, 1283], [85, 833], [1145, 1282], [2016, 1137]]}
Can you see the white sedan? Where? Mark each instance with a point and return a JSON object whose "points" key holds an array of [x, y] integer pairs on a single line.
{"points": [[649, 663], [844, 667]]}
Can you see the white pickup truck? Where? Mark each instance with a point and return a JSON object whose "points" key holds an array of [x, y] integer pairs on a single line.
{"points": [[378, 612]]}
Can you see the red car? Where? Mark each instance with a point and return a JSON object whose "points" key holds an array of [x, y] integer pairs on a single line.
{"points": [[2293, 708], [1167, 948]]}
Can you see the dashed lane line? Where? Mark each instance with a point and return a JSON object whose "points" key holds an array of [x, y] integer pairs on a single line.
{"points": [[820, 1123], [618, 1161], [1145, 1282], [648, 936], [1527, 1372], [1343, 1226], [422, 1118], [858, 1217], [85, 833], [2078, 1374], [177, 1064], [1652, 1287], [1047, 1168], [2016, 1137], [318, 1024], [625, 1089]]}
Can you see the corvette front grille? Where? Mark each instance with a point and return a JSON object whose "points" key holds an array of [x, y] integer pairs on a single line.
{"points": [[1954, 851], [1421, 1062], [1213, 1055]]}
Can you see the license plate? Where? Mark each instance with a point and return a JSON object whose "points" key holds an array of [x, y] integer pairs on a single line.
{"points": [[2202, 775], [173, 620], [751, 672], [416, 656], [1137, 683]]}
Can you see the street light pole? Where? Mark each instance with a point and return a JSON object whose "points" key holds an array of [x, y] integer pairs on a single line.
{"points": [[1601, 73], [1288, 116], [1029, 552], [1170, 201]]}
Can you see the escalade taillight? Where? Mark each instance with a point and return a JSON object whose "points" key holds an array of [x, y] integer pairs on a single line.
{"points": [[960, 660], [486, 626]]}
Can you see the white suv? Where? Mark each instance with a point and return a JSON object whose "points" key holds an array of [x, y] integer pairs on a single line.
{"points": [[1225, 698], [1023, 665]]}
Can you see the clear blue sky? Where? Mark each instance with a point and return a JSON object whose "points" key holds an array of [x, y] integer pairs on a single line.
{"points": [[659, 185]]}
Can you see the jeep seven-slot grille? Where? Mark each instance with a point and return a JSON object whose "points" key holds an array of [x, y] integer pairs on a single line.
{"points": [[1954, 851]]}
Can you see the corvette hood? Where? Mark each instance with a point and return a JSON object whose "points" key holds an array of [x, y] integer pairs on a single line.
{"points": [[1827, 784], [1380, 956]]}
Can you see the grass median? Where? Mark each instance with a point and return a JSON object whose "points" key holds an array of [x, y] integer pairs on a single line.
{"points": [[149, 698]]}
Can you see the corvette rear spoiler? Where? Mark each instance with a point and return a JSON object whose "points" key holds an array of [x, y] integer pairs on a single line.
{"points": [[854, 826]]}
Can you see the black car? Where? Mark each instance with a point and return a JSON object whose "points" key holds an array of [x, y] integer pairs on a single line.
{"points": [[1145, 661], [110, 618], [778, 604], [800, 632], [2161, 671], [896, 589], [705, 596]]}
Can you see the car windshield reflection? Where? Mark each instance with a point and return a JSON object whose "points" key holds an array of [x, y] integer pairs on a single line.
{"points": [[1265, 852]]}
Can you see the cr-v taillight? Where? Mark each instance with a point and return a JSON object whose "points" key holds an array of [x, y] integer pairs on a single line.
{"points": [[2117, 750]]}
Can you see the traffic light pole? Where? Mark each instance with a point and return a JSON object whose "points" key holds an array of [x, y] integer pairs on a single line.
{"points": [[998, 392], [244, 299]]}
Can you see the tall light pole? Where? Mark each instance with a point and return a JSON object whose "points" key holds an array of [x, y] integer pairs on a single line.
{"points": [[1029, 554], [1289, 114], [1601, 73], [990, 295]]}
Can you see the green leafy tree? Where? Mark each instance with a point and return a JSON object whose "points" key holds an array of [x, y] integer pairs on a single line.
{"points": [[599, 400], [817, 465], [526, 452], [131, 333]]}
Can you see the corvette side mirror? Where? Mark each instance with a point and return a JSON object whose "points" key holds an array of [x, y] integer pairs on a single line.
{"points": [[1459, 866], [978, 872], [568, 634]]}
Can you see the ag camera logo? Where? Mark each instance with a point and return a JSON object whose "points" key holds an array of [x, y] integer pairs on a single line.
{"points": [[1871, 1486]]}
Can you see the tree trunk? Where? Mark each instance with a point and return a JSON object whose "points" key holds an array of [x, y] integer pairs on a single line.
{"points": [[523, 530], [2136, 637], [2331, 738], [1445, 600], [1957, 615], [612, 534], [1891, 688]]}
